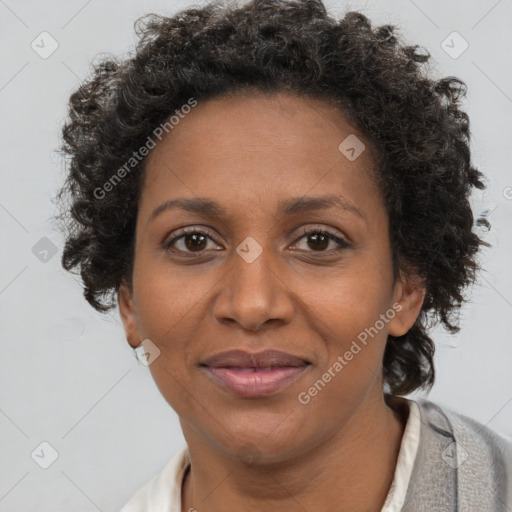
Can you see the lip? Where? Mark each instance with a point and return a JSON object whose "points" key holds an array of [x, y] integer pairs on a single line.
{"points": [[254, 375], [244, 359]]}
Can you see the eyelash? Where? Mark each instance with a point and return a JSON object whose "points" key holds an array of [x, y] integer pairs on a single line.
{"points": [[166, 245]]}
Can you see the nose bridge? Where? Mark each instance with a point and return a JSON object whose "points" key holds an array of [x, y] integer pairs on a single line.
{"points": [[253, 265], [253, 292]]}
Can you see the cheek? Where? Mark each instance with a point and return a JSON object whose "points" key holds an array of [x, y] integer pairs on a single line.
{"points": [[169, 313], [347, 306], [334, 399], [173, 383], [354, 337], [351, 319], [167, 299]]}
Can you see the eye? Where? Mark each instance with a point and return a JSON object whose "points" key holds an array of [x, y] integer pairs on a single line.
{"points": [[319, 239], [191, 240], [195, 240]]}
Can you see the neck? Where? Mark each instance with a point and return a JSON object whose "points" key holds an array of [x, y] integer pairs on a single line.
{"points": [[354, 469]]}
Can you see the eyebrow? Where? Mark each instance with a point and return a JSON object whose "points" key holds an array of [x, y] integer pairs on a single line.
{"points": [[210, 208]]}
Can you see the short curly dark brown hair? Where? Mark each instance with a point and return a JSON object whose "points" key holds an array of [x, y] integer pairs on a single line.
{"points": [[412, 122]]}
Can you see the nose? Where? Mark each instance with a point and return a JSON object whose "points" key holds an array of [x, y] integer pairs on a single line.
{"points": [[254, 294]]}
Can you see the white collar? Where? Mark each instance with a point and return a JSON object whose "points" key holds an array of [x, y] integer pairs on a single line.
{"points": [[405, 462]]}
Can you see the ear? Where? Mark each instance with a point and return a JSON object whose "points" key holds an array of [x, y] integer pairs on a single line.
{"points": [[127, 311], [408, 296]]}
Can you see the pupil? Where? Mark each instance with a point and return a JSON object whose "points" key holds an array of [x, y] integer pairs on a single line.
{"points": [[194, 241], [324, 241]]}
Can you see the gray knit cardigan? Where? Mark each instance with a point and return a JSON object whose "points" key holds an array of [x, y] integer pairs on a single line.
{"points": [[461, 465]]}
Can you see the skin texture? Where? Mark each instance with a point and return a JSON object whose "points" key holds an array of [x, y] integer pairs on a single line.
{"points": [[249, 153]]}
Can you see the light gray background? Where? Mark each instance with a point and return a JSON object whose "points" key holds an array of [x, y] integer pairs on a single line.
{"points": [[68, 376]]}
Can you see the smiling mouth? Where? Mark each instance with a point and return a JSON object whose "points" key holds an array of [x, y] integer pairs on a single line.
{"points": [[252, 375]]}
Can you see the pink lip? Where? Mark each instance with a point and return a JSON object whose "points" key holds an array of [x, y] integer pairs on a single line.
{"points": [[254, 374], [244, 359], [255, 382]]}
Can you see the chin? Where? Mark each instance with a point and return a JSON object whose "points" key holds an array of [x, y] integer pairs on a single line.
{"points": [[261, 442]]}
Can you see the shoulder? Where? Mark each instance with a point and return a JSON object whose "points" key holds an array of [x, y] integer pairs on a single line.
{"points": [[466, 430], [476, 458], [163, 492]]}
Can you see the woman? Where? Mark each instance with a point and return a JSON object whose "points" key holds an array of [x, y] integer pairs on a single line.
{"points": [[279, 201]]}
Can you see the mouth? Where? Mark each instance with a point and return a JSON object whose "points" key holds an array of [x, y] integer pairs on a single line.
{"points": [[254, 375]]}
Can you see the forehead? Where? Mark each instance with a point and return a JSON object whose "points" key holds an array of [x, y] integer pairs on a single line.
{"points": [[259, 148], [247, 122]]}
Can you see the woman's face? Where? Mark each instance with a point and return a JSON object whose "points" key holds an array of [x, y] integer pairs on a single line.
{"points": [[251, 279]]}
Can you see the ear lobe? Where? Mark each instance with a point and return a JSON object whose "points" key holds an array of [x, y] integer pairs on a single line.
{"points": [[127, 312], [409, 294]]}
